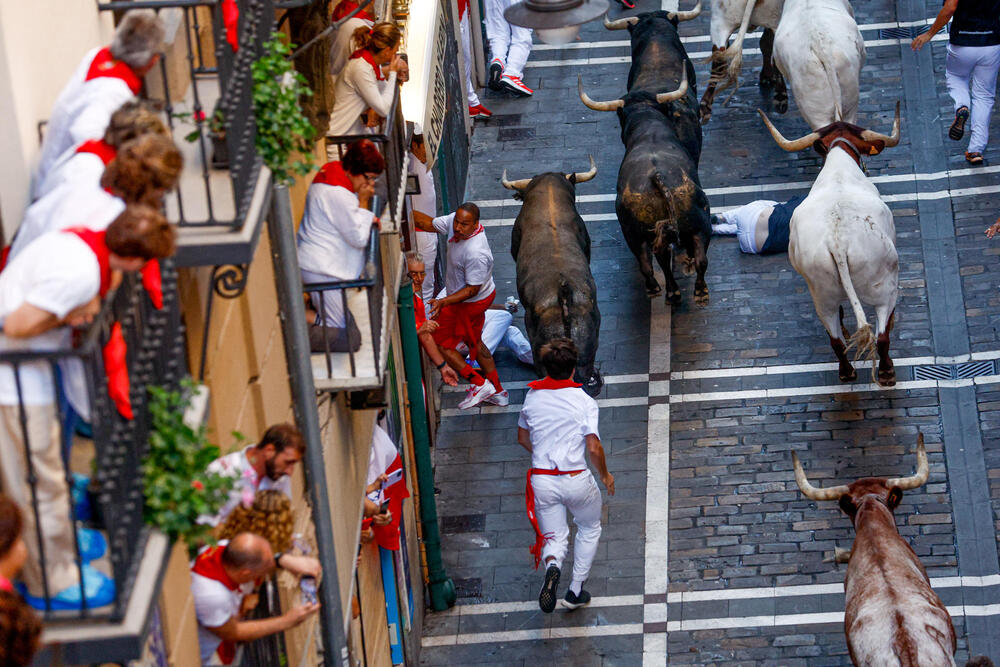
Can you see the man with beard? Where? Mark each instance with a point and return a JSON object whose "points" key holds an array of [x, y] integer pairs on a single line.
{"points": [[266, 465]]}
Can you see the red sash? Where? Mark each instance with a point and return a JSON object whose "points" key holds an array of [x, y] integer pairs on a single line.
{"points": [[348, 6], [100, 148], [418, 310], [529, 500], [388, 536], [231, 20], [463, 6], [105, 66], [465, 312], [332, 173], [367, 56], [95, 241], [209, 565]]}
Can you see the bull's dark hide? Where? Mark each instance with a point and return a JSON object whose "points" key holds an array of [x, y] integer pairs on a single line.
{"points": [[551, 247]]}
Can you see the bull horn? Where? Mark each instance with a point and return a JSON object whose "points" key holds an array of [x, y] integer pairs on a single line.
{"points": [[686, 16], [612, 105], [681, 91], [892, 140], [584, 176], [513, 185], [917, 479], [790, 146], [811, 492], [620, 24]]}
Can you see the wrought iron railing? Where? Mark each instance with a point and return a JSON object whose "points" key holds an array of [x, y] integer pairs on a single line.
{"points": [[229, 124], [155, 355], [371, 283], [267, 651]]}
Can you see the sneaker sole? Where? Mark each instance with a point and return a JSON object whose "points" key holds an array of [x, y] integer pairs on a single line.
{"points": [[547, 596], [514, 89], [957, 129], [496, 71], [571, 606]]}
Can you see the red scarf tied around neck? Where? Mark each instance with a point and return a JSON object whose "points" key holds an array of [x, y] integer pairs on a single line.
{"points": [[369, 58]]}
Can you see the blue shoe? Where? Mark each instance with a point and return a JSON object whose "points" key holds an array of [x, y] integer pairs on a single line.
{"points": [[99, 587], [92, 544]]}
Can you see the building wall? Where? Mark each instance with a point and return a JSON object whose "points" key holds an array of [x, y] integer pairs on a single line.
{"points": [[32, 72]]}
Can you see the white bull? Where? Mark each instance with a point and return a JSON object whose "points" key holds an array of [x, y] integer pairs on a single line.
{"points": [[820, 51], [842, 240]]}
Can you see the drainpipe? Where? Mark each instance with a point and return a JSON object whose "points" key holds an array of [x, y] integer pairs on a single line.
{"points": [[442, 588], [288, 282]]}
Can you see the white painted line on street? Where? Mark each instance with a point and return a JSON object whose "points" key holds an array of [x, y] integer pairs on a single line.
{"points": [[587, 217], [803, 619], [532, 605], [516, 407], [785, 392], [657, 521], [523, 384], [532, 635]]}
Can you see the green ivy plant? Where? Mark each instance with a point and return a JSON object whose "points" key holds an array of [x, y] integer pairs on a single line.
{"points": [[282, 128], [177, 487]]}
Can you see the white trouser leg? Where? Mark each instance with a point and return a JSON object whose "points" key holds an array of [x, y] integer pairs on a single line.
{"points": [[551, 515], [725, 229], [957, 72], [470, 90], [984, 85], [494, 328], [497, 29], [515, 341], [517, 53], [583, 500]]}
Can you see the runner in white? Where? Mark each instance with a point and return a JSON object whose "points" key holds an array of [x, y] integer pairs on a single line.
{"points": [[558, 425], [509, 45]]}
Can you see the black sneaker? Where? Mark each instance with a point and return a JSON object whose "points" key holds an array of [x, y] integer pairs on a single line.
{"points": [[574, 601], [547, 596], [496, 71], [957, 128]]}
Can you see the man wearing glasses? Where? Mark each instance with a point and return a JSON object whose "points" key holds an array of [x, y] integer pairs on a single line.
{"points": [[425, 327]]}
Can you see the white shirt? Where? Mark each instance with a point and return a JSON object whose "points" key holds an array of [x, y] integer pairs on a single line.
{"points": [[214, 605], [84, 169], [383, 453], [343, 44], [470, 262], [57, 273], [334, 232], [72, 205], [559, 421], [237, 465], [355, 90], [81, 112]]}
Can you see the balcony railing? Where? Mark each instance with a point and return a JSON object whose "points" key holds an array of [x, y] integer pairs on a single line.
{"points": [[205, 89], [155, 355]]}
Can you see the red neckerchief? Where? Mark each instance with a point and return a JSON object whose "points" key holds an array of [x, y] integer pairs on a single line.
{"points": [[529, 501], [209, 565], [463, 6], [419, 312], [332, 173], [348, 6], [455, 239], [105, 66], [95, 241], [99, 147], [367, 56], [548, 383]]}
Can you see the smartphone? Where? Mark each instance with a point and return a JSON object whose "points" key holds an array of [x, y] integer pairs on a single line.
{"points": [[384, 507], [307, 585], [392, 478]]}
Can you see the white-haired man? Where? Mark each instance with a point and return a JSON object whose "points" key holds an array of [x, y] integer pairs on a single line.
{"points": [[105, 79]]}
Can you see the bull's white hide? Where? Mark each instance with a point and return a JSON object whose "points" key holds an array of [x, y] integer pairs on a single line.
{"points": [[820, 51], [728, 14], [843, 242]]}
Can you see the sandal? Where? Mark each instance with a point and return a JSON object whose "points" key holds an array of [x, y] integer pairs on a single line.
{"points": [[974, 158], [957, 129]]}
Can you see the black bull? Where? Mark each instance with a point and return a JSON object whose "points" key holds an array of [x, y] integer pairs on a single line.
{"points": [[551, 248], [660, 202]]}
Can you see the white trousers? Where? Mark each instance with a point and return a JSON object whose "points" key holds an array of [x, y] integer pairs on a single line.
{"points": [[470, 90], [742, 222], [554, 494], [427, 246], [510, 43], [975, 65], [497, 331]]}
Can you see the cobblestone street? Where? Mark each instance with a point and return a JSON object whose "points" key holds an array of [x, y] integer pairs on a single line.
{"points": [[710, 554]]}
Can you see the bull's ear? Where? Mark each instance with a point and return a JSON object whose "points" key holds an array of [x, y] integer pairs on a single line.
{"points": [[876, 147], [848, 506], [895, 496], [820, 147]]}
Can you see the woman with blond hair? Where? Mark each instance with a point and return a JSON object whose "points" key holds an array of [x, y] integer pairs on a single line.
{"points": [[270, 516], [363, 92]]}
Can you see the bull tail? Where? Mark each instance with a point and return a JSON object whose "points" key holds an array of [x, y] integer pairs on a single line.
{"points": [[565, 305], [733, 54], [863, 339], [663, 227]]}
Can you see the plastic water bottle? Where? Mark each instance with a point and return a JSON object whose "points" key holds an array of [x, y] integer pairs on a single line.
{"points": [[511, 304]]}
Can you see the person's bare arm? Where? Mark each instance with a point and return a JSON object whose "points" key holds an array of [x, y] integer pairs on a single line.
{"points": [[28, 320], [424, 223], [236, 630], [524, 438], [458, 297], [596, 452], [993, 229], [448, 374], [947, 11]]}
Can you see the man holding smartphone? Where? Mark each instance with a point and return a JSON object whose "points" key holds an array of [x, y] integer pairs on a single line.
{"points": [[558, 426]]}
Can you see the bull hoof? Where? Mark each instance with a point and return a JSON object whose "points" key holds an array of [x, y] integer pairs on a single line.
{"points": [[781, 105], [887, 378], [701, 297], [847, 373], [652, 289], [705, 113], [673, 298], [687, 266]]}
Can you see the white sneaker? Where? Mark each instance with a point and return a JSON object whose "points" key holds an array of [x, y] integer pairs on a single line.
{"points": [[477, 395], [500, 398]]}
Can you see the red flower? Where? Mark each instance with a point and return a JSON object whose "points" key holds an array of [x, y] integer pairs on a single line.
{"points": [[196, 484], [199, 115]]}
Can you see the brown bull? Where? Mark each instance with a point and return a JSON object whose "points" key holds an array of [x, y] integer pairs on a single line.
{"points": [[893, 616]]}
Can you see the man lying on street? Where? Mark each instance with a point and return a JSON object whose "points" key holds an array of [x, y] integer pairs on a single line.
{"points": [[762, 226]]}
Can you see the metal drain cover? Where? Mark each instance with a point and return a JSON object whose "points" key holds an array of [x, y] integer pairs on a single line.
{"points": [[967, 369], [902, 33]]}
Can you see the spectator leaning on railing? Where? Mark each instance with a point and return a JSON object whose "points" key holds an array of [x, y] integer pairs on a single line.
{"points": [[418, 273], [20, 628], [343, 43], [85, 164], [332, 239], [56, 281], [105, 79]]}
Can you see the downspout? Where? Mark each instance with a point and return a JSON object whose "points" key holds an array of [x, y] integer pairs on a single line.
{"points": [[441, 587], [288, 282]]}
